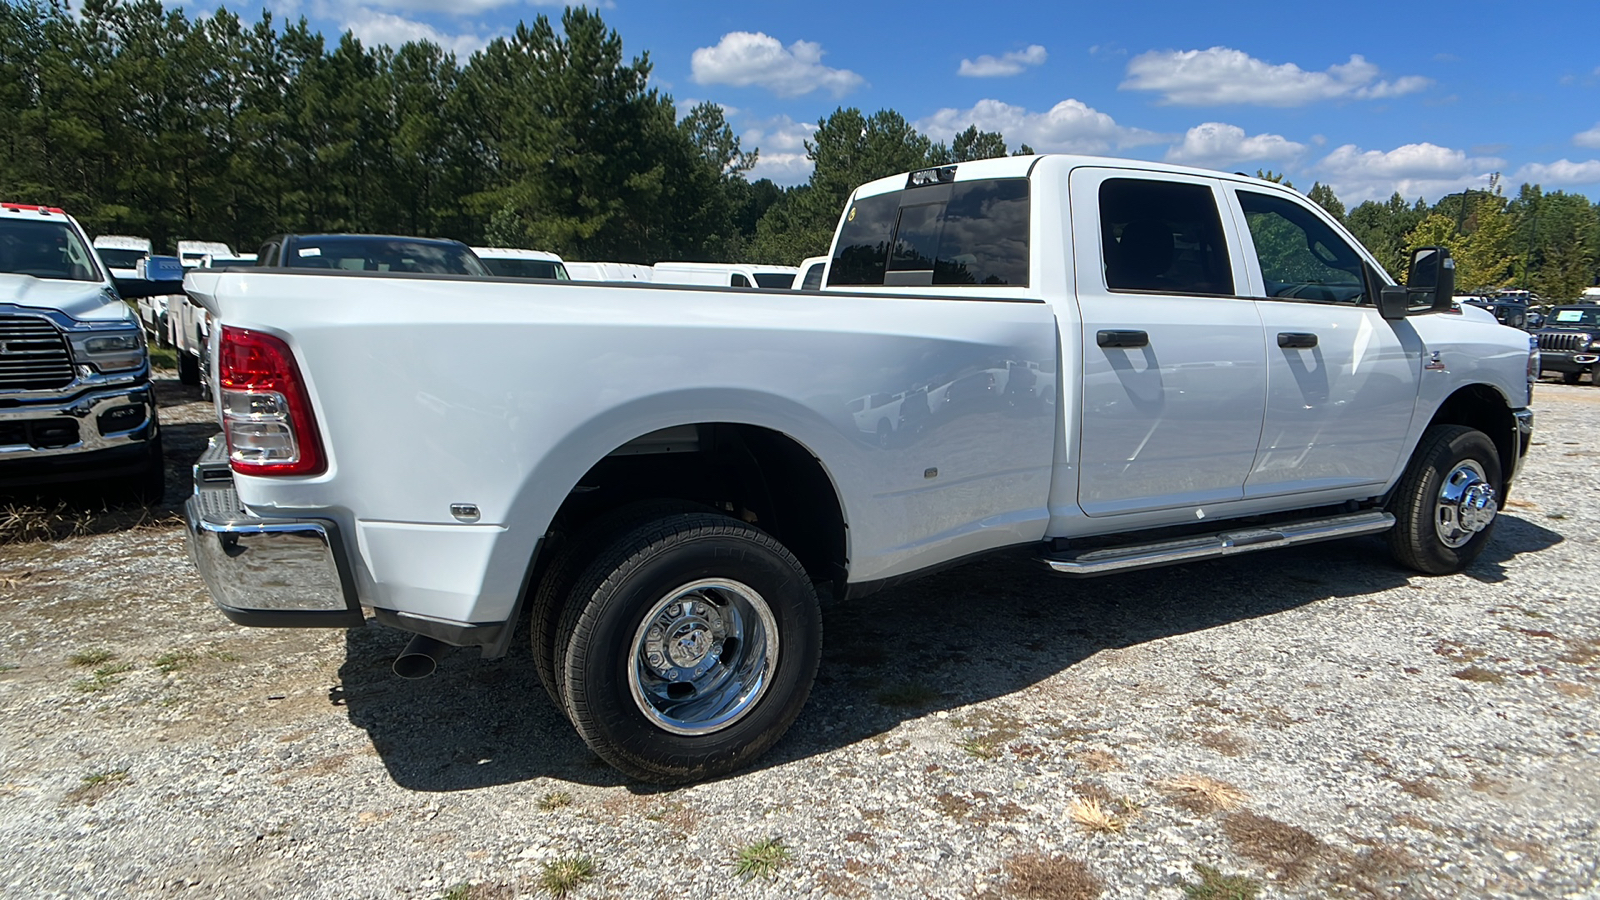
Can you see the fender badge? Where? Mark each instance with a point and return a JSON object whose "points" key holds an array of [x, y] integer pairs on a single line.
{"points": [[1435, 365]]}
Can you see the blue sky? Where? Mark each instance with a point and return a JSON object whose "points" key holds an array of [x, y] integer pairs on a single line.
{"points": [[1369, 97]]}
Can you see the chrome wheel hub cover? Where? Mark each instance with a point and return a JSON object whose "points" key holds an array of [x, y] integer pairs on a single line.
{"points": [[1467, 504], [703, 656]]}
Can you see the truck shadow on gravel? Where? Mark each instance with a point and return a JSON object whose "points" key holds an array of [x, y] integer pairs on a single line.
{"points": [[975, 633]]}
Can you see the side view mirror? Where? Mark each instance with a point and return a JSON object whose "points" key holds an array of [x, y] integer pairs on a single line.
{"points": [[1432, 275]]}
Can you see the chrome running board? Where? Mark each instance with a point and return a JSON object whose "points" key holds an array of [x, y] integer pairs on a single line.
{"points": [[1227, 543]]}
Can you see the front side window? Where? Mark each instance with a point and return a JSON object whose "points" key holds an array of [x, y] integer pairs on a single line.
{"points": [[1164, 237], [519, 267], [968, 233], [44, 250], [117, 258], [1302, 258]]}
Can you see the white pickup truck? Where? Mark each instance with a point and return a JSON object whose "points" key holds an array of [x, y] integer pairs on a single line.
{"points": [[75, 397], [654, 483]]}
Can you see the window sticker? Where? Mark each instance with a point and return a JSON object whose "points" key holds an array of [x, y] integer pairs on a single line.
{"points": [[1569, 315], [310, 251]]}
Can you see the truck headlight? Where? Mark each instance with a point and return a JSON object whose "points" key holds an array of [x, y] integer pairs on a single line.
{"points": [[110, 350]]}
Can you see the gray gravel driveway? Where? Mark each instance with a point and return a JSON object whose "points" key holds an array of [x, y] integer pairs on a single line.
{"points": [[1313, 722]]}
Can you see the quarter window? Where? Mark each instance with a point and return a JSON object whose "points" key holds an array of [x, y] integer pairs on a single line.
{"points": [[1301, 257], [1162, 236]]}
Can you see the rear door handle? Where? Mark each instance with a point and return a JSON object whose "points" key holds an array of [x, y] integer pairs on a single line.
{"points": [[1300, 340], [1122, 339]]}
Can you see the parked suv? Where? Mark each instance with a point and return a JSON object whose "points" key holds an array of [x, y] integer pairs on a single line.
{"points": [[75, 396], [1569, 342]]}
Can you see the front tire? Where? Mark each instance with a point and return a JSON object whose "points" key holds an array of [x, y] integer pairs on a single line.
{"points": [[1446, 503], [1571, 377], [693, 649]]}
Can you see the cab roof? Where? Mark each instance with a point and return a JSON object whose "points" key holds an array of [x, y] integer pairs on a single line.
{"points": [[1023, 166]]}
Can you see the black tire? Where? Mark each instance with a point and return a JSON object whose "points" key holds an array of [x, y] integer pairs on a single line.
{"points": [[660, 570], [1570, 377], [571, 557], [1418, 538], [188, 368]]}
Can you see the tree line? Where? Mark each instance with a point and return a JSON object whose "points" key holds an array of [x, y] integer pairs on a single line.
{"points": [[142, 120]]}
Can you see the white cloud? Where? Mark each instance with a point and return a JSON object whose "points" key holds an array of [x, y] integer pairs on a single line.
{"points": [[1069, 126], [1414, 170], [782, 142], [1560, 172], [1590, 138], [1221, 76], [374, 28], [1216, 145], [1012, 63], [743, 59]]}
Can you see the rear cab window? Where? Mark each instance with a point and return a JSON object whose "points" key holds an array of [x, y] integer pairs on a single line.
{"points": [[967, 233]]}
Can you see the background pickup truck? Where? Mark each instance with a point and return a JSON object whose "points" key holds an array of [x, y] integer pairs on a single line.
{"points": [[1115, 364], [75, 396]]}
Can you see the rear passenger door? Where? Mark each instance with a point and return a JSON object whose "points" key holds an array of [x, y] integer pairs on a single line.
{"points": [[1173, 357], [1341, 379]]}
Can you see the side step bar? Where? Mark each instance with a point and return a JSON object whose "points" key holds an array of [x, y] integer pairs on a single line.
{"points": [[1227, 543]]}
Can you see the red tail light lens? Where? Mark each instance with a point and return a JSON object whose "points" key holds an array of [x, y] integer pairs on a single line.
{"points": [[266, 412]]}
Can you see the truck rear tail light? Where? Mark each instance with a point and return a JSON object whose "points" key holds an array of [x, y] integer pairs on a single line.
{"points": [[266, 412]]}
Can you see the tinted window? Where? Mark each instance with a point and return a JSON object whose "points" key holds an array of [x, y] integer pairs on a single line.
{"points": [[526, 268], [779, 280], [377, 254], [974, 232], [985, 237], [813, 279], [44, 250], [862, 251], [115, 258], [1162, 236], [1301, 257], [737, 280]]}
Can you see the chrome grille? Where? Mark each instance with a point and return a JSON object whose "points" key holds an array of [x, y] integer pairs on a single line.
{"points": [[33, 355], [1568, 341]]}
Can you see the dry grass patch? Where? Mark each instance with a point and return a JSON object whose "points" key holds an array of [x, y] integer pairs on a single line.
{"points": [[1571, 689], [1419, 788], [1479, 675], [1099, 761], [1281, 847], [1038, 876], [1201, 795], [1581, 652], [93, 656], [1095, 817], [1224, 742]]}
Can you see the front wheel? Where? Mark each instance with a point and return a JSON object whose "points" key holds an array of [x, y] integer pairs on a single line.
{"points": [[1445, 504], [1571, 377], [695, 649]]}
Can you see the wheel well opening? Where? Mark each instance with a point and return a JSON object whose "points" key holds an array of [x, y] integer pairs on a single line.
{"points": [[756, 474], [1481, 407]]}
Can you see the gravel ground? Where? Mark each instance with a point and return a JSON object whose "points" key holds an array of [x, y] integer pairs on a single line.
{"points": [[1313, 723]]}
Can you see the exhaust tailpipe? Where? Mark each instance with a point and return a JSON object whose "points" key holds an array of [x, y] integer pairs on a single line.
{"points": [[420, 657]]}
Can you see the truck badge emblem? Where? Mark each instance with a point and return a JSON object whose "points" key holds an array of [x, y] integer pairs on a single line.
{"points": [[1434, 365]]}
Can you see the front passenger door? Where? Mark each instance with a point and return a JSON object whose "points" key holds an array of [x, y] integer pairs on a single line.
{"points": [[1341, 379]]}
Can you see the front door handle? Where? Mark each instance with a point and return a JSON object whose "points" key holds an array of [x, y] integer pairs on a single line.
{"points": [[1299, 340], [1122, 339]]}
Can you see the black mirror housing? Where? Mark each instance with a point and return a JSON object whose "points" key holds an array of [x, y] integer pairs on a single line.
{"points": [[1394, 301], [1433, 274]]}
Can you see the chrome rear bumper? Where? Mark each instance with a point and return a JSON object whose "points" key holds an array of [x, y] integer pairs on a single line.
{"points": [[271, 572]]}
